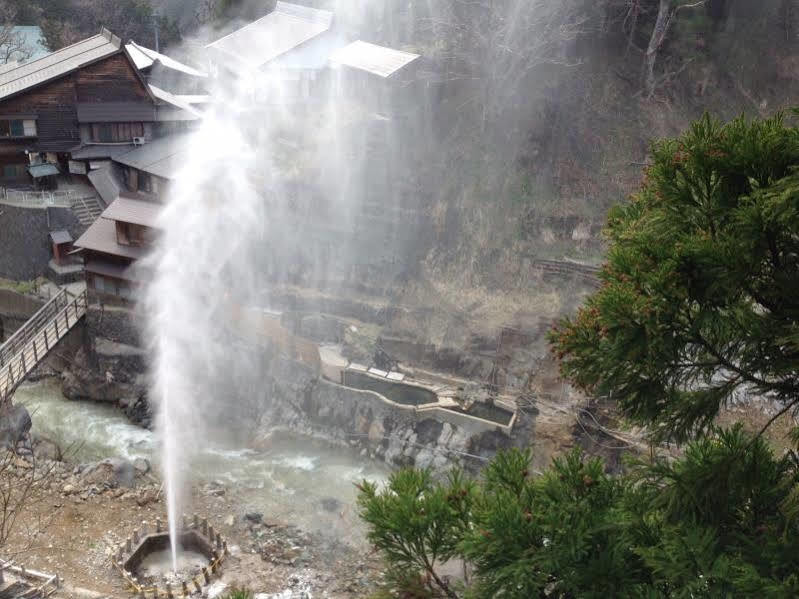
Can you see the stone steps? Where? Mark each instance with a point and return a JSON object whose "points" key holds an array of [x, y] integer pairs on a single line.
{"points": [[87, 209]]}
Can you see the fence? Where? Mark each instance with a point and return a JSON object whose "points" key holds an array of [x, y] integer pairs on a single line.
{"points": [[37, 199]]}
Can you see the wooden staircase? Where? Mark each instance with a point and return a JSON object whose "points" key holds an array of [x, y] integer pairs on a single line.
{"points": [[29, 345]]}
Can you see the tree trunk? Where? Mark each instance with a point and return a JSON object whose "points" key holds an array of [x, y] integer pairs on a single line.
{"points": [[655, 42]]}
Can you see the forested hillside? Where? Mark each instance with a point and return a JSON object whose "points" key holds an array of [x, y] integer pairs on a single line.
{"points": [[541, 111]]}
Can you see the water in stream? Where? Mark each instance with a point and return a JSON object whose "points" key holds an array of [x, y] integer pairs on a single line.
{"points": [[294, 480]]}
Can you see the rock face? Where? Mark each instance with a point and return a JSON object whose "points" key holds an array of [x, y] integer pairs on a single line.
{"points": [[299, 401], [15, 422]]}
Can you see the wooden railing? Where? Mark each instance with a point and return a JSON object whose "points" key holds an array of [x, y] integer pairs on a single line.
{"points": [[28, 346]]}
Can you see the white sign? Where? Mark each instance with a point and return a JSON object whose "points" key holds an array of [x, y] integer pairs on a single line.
{"points": [[77, 168]]}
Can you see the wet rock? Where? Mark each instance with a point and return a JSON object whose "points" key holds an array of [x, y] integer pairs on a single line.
{"points": [[15, 422], [146, 497], [141, 465], [46, 449], [112, 472], [254, 517]]}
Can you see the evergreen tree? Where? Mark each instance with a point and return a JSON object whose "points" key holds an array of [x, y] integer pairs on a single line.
{"points": [[698, 299], [698, 303]]}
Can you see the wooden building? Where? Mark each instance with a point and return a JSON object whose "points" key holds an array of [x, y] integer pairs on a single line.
{"points": [[113, 244], [88, 101], [134, 187], [290, 46]]}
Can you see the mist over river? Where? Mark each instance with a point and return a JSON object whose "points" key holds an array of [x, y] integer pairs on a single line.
{"points": [[292, 479]]}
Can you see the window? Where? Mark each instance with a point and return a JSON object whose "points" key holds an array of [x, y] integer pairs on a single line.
{"points": [[131, 234], [116, 132], [145, 182], [105, 285], [17, 128], [14, 171]]}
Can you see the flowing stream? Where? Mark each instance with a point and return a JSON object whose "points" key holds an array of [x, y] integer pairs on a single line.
{"points": [[295, 480]]}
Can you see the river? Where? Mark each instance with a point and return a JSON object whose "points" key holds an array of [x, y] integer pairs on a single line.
{"points": [[298, 480]]}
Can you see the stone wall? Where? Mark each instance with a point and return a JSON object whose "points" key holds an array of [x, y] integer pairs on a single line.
{"points": [[15, 309], [296, 399], [26, 247]]}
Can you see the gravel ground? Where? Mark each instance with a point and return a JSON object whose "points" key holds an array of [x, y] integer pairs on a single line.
{"points": [[86, 522]]}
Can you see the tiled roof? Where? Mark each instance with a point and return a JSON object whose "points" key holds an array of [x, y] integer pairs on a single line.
{"points": [[282, 30], [106, 183], [101, 236], [371, 58], [57, 64], [162, 157], [137, 212]]}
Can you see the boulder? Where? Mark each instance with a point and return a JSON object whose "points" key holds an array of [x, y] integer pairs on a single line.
{"points": [[254, 517], [111, 472], [15, 422], [141, 465]]}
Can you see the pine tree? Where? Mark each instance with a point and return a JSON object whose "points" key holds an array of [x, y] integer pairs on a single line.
{"points": [[698, 299]]}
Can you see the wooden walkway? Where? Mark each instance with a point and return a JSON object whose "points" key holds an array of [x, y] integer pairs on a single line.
{"points": [[29, 345]]}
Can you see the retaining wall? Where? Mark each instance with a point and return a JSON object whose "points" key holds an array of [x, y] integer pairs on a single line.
{"points": [[25, 248]]}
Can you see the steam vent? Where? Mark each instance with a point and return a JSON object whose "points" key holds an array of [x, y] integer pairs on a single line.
{"points": [[145, 560]]}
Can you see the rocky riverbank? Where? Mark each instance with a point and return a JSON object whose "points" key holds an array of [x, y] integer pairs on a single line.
{"points": [[82, 512]]}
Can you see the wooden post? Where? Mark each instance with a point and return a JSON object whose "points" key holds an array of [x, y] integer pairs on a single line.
{"points": [[57, 334], [46, 341], [35, 353]]}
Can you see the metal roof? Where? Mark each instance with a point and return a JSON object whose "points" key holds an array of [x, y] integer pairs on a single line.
{"points": [[95, 151], [282, 30], [106, 183], [115, 112], [57, 64], [137, 212], [162, 157], [144, 58], [184, 112], [43, 170], [60, 236], [378, 60], [101, 236]]}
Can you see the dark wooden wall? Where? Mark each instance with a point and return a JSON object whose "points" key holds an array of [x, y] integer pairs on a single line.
{"points": [[54, 105], [110, 80]]}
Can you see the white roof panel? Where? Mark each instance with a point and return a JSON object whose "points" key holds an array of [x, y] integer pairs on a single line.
{"points": [[145, 58], [372, 58], [282, 30], [191, 113]]}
